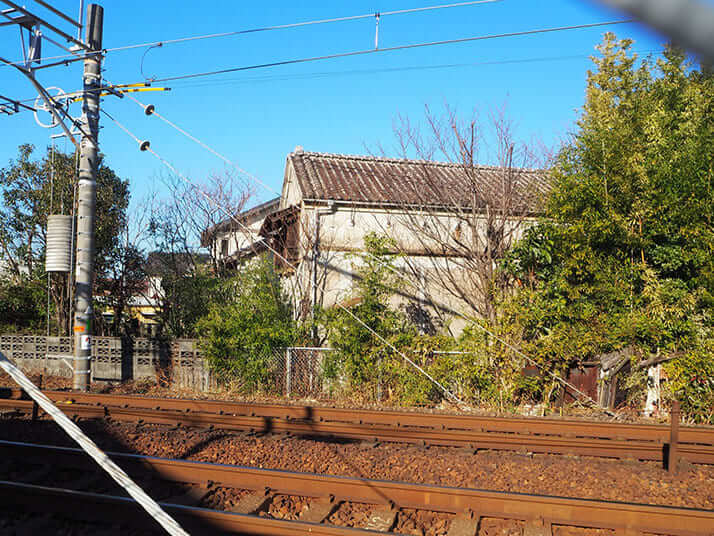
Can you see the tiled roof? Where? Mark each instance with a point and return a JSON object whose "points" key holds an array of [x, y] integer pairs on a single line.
{"points": [[387, 181]]}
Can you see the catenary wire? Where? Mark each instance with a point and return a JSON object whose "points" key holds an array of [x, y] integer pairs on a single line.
{"points": [[401, 47], [387, 49], [246, 229], [327, 74], [305, 23], [279, 27]]}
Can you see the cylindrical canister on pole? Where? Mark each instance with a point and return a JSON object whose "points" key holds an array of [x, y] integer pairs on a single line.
{"points": [[58, 253]]}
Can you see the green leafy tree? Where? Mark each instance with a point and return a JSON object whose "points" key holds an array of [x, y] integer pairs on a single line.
{"points": [[21, 305], [249, 320], [625, 254], [31, 189], [360, 357]]}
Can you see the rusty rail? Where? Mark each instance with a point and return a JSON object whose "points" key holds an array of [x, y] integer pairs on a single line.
{"points": [[644, 442], [111, 508], [516, 506], [534, 425]]}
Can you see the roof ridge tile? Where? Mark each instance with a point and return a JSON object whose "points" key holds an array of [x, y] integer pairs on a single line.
{"points": [[344, 156]]}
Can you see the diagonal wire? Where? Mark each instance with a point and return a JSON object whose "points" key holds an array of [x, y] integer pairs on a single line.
{"points": [[151, 110], [73, 431]]}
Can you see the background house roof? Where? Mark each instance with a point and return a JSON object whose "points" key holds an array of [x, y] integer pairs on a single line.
{"points": [[247, 217], [388, 181]]}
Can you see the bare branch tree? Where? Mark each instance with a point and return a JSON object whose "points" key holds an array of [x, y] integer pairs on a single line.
{"points": [[461, 216], [178, 221]]}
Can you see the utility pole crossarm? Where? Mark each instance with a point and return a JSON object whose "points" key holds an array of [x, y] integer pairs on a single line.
{"points": [[49, 26], [49, 101]]}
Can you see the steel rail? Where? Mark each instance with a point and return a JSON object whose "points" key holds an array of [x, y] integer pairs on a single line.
{"points": [[586, 513], [84, 505], [615, 448], [569, 428]]}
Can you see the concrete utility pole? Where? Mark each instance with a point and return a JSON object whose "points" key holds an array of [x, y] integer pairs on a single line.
{"points": [[87, 196]]}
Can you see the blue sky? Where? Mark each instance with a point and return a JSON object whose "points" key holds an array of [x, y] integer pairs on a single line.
{"points": [[256, 117]]}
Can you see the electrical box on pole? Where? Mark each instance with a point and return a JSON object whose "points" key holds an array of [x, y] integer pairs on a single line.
{"points": [[87, 196], [59, 243]]}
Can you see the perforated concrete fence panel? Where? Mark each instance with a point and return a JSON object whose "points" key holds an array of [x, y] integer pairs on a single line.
{"points": [[114, 359]]}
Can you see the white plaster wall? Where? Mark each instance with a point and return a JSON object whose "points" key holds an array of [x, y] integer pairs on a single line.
{"points": [[342, 239], [237, 240]]}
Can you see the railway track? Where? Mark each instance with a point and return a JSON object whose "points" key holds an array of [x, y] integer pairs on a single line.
{"points": [[550, 436], [323, 496]]}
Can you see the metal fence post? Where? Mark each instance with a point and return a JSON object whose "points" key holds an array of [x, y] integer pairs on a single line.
{"points": [[287, 372], [672, 460], [379, 378]]}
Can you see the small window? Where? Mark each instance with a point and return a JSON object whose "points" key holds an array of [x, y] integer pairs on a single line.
{"points": [[224, 247]]}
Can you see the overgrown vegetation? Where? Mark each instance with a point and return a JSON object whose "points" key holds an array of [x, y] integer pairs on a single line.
{"points": [[624, 255], [368, 367], [250, 319], [364, 362]]}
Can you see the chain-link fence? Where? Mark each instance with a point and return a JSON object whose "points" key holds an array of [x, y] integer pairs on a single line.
{"points": [[299, 371]]}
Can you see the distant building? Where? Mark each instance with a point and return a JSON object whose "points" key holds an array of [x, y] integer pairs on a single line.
{"points": [[329, 202], [143, 307], [229, 242]]}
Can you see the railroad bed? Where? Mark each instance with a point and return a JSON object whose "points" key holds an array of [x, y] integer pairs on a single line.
{"points": [[549, 436], [217, 497]]}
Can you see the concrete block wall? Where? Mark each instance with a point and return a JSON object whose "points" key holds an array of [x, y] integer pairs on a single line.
{"points": [[114, 359]]}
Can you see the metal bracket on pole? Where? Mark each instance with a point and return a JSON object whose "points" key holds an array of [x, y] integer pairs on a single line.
{"points": [[46, 97]]}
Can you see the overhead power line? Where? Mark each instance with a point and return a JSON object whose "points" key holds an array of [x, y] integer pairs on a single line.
{"points": [[282, 27], [301, 24], [388, 49], [402, 47], [328, 74]]}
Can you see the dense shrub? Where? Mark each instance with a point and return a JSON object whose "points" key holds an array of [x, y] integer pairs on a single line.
{"points": [[625, 253], [243, 329]]}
